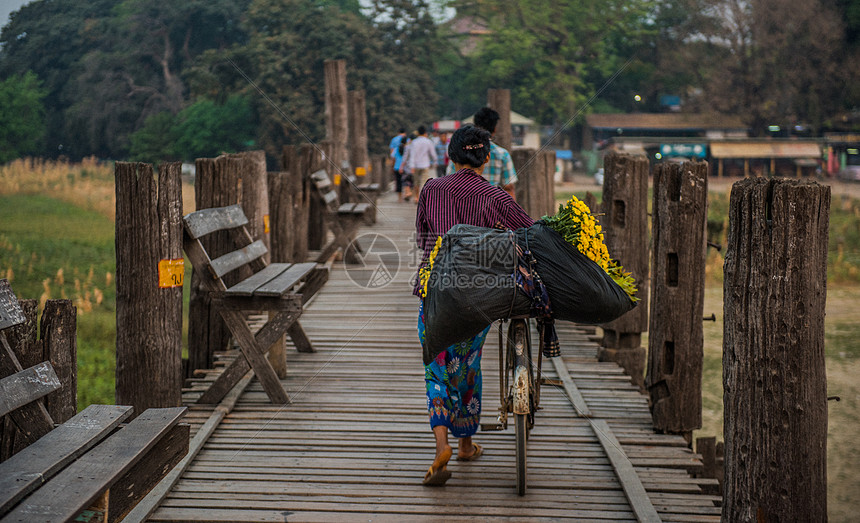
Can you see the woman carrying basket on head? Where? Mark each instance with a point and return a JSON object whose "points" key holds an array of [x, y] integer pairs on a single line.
{"points": [[453, 378]]}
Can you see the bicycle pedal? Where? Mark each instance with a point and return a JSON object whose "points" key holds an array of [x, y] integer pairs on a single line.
{"points": [[550, 381], [487, 427]]}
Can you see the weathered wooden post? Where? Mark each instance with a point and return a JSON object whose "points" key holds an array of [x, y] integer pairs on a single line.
{"points": [[380, 172], [297, 185], [535, 187], [281, 221], [313, 158], [675, 338], [591, 201], [358, 156], [226, 180], [775, 391], [149, 273], [57, 344], [57, 335], [625, 228], [337, 124], [500, 101]]}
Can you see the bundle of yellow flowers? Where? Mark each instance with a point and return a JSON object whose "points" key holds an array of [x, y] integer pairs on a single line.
{"points": [[424, 272], [575, 223]]}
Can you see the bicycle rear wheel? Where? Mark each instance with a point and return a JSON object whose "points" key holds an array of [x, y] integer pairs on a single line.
{"points": [[521, 427], [522, 390]]}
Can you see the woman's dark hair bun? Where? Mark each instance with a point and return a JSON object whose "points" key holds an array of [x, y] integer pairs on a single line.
{"points": [[469, 145]]}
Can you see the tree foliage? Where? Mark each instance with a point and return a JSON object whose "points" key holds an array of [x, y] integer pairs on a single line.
{"points": [[203, 129], [280, 68], [116, 74], [22, 124]]}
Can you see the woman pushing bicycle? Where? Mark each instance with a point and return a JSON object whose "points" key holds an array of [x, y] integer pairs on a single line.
{"points": [[453, 378]]}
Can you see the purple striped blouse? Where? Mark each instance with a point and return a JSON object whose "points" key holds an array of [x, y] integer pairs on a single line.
{"points": [[463, 197]]}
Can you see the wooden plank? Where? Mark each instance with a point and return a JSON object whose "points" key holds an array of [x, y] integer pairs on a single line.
{"points": [[321, 179], [31, 467], [255, 356], [286, 280], [233, 260], [247, 286], [346, 208], [639, 500], [148, 505], [313, 283], [330, 198], [207, 221], [82, 482], [32, 420], [360, 208], [570, 388], [10, 311], [147, 472], [27, 386]]}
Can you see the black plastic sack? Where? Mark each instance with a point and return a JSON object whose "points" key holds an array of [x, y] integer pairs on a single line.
{"points": [[473, 284], [579, 290]]}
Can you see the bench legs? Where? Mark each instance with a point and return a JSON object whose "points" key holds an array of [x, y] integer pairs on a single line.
{"points": [[254, 349]]}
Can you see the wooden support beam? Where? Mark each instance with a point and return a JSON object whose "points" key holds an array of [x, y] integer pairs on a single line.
{"points": [[148, 302], [675, 336], [775, 400], [625, 227], [500, 101]]}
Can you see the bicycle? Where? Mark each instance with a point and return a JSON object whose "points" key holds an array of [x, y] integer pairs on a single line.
{"points": [[519, 389]]}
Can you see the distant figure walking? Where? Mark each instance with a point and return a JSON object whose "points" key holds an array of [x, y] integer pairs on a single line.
{"points": [[500, 169], [422, 160], [395, 152], [441, 142]]}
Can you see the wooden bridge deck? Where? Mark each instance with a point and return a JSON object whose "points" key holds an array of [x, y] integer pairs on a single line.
{"points": [[355, 442]]}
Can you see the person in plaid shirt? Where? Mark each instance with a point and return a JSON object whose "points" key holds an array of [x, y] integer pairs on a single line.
{"points": [[500, 169]]}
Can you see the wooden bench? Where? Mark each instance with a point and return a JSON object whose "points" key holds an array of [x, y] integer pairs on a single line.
{"points": [[368, 192], [87, 468], [342, 220], [281, 289]]}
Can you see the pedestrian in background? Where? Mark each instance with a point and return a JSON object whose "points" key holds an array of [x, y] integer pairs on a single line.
{"points": [[441, 154], [500, 169], [421, 160]]}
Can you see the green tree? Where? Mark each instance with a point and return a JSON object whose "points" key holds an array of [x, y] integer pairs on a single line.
{"points": [[206, 128], [156, 140], [203, 129], [22, 123], [48, 38], [775, 61], [555, 56], [283, 57]]}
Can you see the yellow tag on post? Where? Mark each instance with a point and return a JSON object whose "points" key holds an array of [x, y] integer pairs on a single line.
{"points": [[360, 171], [337, 179], [171, 273], [266, 223]]}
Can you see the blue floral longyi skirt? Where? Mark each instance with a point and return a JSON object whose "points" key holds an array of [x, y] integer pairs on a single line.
{"points": [[453, 383]]}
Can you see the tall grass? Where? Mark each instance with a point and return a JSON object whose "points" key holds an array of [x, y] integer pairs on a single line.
{"points": [[88, 185]]}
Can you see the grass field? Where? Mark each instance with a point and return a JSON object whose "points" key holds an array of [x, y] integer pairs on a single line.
{"points": [[57, 241]]}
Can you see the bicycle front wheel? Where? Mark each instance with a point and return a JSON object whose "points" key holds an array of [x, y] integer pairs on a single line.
{"points": [[521, 435]]}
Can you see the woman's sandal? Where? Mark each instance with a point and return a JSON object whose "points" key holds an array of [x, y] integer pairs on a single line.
{"points": [[473, 456], [438, 473]]}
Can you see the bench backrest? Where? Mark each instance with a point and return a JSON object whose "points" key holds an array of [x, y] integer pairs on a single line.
{"points": [[326, 190], [232, 219]]}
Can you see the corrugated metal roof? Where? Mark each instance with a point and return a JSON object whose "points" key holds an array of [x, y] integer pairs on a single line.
{"points": [[765, 150], [664, 121]]}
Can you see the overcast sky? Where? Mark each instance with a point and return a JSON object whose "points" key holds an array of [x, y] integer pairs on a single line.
{"points": [[6, 8]]}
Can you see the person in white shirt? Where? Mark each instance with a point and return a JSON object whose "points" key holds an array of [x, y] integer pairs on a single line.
{"points": [[422, 159]]}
